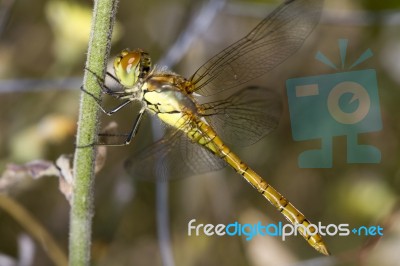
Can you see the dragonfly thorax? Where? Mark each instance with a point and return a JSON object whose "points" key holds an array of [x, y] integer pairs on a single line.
{"points": [[164, 94]]}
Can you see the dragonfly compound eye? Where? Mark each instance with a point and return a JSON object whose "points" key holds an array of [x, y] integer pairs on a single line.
{"points": [[130, 66]]}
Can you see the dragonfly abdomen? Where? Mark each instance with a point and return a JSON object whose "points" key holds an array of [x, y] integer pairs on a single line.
{"points": [[208, 138]]}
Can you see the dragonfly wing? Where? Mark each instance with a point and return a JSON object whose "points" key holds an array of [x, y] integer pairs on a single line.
{"points": [[272, 41], [246, 116], [172, 157]]}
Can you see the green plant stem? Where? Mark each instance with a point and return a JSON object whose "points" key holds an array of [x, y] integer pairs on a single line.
{"points": [[82, 201]]}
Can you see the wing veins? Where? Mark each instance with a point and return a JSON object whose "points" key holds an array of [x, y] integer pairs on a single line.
{"points": [[283, 31]]}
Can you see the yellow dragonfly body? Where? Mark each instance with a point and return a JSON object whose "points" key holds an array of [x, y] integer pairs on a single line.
{"points": [[197, 130]]}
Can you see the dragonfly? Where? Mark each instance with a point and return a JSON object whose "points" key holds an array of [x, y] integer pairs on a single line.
{"points": [[198, 133]]}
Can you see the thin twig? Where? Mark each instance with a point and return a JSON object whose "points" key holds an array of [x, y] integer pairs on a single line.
{"points": [[5, 10], [35, 229], [199, 24], [34, 85]]}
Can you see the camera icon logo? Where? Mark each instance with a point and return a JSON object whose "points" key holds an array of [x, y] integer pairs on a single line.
{"points": [[339, 104]]}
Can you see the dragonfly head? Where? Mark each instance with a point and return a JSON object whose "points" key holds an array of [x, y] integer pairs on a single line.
{"points": [[132, 66]]}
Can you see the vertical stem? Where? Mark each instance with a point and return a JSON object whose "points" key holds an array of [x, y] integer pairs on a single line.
{"points": [[82, 210]]}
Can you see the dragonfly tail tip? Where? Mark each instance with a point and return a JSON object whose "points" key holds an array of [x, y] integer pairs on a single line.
{"points": [[323, 249]]}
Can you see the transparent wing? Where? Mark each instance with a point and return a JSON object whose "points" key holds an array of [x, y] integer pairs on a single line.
{"points": [[271, 42], [246, 116], [172, 157]]}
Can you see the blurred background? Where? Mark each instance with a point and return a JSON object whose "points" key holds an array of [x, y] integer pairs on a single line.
{"points": [[42, 54]]}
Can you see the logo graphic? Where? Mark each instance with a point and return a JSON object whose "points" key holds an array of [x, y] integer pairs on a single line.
{"points": [[339, 104]]}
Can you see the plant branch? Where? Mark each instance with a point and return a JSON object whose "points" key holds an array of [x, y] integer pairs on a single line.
{"points": [[82, 210]]}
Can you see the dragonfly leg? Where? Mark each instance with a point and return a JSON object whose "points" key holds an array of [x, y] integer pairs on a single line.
{"points": [[127, 137], [115, 109], [98, 101], [135, 127], [119, 107], [104, 88]]}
